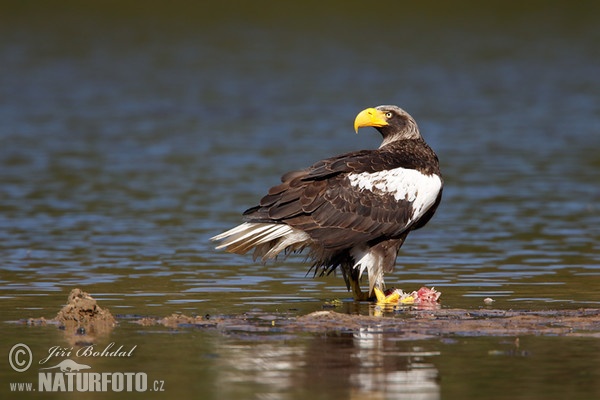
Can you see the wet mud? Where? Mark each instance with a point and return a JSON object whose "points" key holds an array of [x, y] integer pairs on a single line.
{"points": [[413, 325], [83, 320]]}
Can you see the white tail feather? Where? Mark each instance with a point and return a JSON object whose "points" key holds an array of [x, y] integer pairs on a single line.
{"points": [[268, 239]]}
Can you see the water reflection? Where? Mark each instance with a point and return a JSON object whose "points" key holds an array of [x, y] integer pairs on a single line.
{"points": [[266, 367], [354, 365], [387, 370]]}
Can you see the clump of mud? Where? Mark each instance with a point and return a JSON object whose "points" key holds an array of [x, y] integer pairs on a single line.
{"points": [[82, 310], [81, 319]]}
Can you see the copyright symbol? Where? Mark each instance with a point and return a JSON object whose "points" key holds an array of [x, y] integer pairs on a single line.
{"points": [[20, 357]]}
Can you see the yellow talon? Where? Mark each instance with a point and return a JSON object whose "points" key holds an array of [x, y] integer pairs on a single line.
{"points": [[393, 298], [396, 297], [383, 299], [380, 296]]}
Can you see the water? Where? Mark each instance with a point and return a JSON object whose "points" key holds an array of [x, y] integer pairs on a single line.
{"points": [[130, 136]]}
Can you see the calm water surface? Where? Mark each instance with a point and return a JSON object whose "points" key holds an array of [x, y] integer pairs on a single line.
{"points": [[131, 136]]}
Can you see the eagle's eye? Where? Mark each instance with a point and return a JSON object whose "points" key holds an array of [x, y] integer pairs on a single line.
{"points": [[388, 115]]}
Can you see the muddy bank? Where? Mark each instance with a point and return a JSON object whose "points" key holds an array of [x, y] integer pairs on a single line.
{"points": [[83, 320], [414, 325]]}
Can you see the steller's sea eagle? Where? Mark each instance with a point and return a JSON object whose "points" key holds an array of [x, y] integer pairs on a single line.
{"points": [[352, 211]]}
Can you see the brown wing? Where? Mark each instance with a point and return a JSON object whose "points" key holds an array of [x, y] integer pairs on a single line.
{"points": [[322, 202]]}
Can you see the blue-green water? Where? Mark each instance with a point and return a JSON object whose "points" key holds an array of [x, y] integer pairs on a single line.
{"points": [[131, 134]]}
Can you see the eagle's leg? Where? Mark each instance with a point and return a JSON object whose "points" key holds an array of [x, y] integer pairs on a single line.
{"points": [[358, 294], [352, 278]]}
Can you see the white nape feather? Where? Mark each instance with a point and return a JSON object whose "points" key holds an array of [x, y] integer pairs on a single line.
{"points": [[268, 239]]}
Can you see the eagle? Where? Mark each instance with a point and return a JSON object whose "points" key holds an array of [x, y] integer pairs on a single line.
{"points": [[352, 211]]}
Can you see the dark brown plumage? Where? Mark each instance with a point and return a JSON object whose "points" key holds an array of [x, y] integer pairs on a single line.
{"points": [[354, 210]]}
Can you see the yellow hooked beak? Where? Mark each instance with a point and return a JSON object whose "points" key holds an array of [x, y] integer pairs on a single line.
{"points": [[370, 117]]}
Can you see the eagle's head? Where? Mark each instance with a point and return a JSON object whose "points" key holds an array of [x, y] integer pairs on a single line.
{"points": [[391, 121]]}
